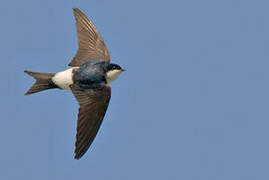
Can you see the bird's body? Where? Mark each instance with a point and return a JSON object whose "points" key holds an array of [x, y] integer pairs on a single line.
{"points": [[88, 80], [91, 74], [64, 79]]}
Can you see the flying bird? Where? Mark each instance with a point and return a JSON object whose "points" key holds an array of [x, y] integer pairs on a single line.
{"points": [[88, 79]]}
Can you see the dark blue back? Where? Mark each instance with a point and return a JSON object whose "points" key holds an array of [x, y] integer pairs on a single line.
{"points": [[91, 75]]}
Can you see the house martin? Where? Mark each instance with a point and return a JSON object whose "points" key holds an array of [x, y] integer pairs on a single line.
{"points": [[88, 79]]}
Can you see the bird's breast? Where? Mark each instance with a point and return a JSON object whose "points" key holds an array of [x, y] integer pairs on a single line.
{"points": [[64, 79]]}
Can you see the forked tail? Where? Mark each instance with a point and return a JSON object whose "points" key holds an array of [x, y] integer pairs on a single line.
{"points": [[43, 82]]}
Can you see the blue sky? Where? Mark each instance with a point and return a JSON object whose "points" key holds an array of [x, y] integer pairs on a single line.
{"points": [[193, 103]]}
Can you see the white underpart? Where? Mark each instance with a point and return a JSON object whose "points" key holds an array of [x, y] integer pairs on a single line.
{"points": [[64, 79], [112, 75]]}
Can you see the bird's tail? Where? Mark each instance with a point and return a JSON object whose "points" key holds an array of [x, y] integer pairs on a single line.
{"points": [[43, 82]]}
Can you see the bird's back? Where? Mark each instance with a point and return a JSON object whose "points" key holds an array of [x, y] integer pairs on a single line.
{"points": [[90, 75]]}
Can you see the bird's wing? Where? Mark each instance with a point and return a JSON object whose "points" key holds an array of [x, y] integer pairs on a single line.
{"points": [[90, 43], [93, 106]]}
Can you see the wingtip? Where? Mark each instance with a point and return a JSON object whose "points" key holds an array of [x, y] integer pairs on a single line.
{"points": [[75, 9], [27, 72], [28, 93], [77, 157]]}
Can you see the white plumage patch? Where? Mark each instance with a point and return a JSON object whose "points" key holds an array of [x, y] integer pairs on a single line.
{"points": [[64, 79], [112, 75]]}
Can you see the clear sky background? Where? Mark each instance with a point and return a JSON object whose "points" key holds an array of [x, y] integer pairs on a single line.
{"points": [[192, 105]]}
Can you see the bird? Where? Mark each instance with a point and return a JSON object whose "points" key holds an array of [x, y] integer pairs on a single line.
{"points": [[88, 78]]}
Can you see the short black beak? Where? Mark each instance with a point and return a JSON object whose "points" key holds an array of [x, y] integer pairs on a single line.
{"points": [[123, 70]]}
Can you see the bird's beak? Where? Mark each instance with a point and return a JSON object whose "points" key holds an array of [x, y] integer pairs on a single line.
{"points": [[123, 70]]}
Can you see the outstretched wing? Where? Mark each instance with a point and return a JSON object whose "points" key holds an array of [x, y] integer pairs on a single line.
{"points": [[93, 106], [90, 43]]}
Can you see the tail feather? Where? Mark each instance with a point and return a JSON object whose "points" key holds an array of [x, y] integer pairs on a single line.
{"points": [[43, 82]]}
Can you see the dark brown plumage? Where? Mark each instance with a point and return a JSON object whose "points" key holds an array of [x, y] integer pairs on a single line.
{"points": [[43, 82], [90, 43], [93, 104]]}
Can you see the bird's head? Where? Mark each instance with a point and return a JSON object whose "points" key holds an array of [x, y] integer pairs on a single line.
{"points": [[112, 72]]}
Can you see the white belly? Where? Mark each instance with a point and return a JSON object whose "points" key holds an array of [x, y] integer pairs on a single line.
{"points": [[64, 79]]}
